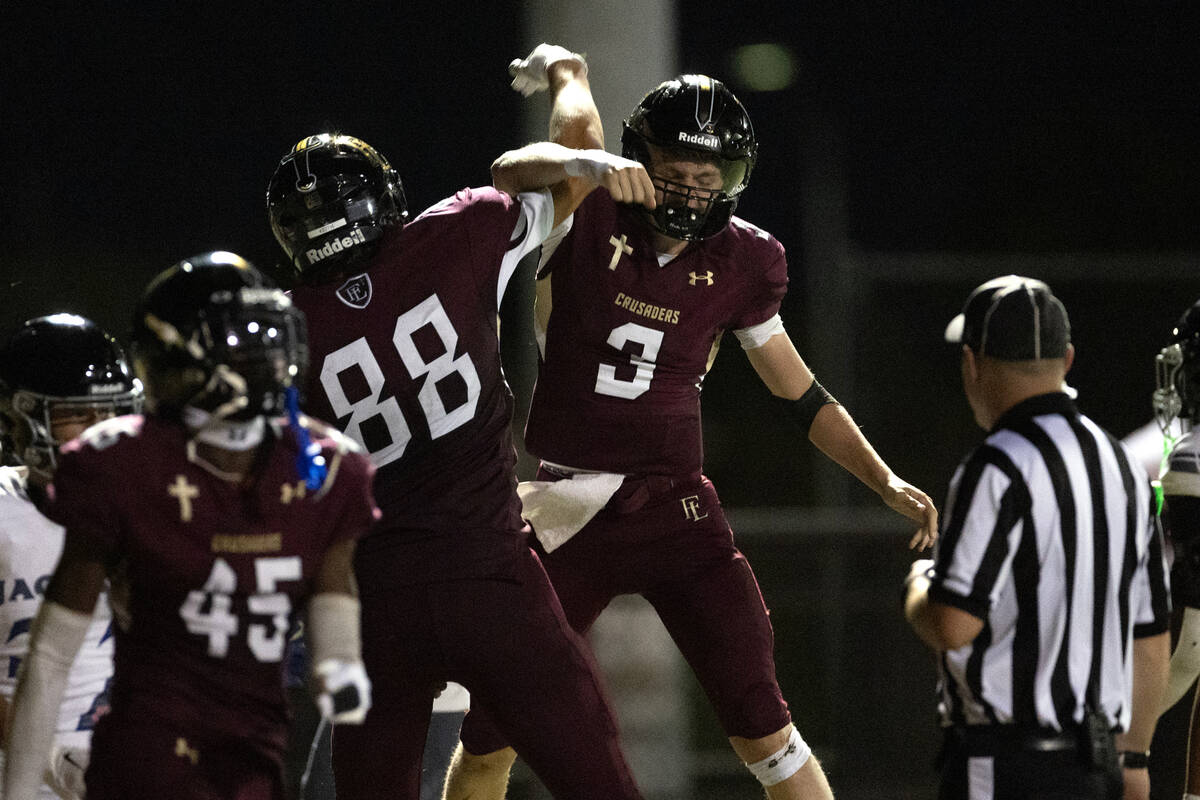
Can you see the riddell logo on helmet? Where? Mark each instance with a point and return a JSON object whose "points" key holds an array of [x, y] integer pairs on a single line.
{"points": [[702, 139], [335, 246]]}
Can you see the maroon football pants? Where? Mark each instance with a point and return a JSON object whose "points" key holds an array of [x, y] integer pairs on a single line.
{"points": [[676, 549], [141, 757], [506, 639]]}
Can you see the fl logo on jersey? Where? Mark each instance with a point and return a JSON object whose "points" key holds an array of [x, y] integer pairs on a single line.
{"points": [[356, 292]]}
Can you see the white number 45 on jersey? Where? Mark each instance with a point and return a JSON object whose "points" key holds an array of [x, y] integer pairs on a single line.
{"points": [[220, 624]]}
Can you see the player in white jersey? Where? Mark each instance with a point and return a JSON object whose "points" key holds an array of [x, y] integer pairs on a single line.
{"points": [[58, 375], [1177, 408]]}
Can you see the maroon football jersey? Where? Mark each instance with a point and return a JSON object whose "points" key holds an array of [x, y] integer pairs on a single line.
{"points": [[215, 572], [627, 342], [405, 359]]}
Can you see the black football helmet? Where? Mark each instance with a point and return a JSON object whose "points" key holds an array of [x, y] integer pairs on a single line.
{"points": [[330, 201], [1177, 373], [213, 333], [692, 117], [55, 364]]}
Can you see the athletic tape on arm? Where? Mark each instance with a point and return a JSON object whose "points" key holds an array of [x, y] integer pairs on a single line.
{"points": [[779, 766]]}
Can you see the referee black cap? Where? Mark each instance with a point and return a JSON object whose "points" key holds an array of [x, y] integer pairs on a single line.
{"points": [[1012, 318]]}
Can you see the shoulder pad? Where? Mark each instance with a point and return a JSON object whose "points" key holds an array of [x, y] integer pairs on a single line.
{"points": [[106, 433]]}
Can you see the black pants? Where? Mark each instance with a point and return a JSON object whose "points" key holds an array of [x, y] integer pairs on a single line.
{"points": [[308, 771], [1014, 769]]}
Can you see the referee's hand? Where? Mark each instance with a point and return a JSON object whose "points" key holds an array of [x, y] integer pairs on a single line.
{"points": [[902, 496]]}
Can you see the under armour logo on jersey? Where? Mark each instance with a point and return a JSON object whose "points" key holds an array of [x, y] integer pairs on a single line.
{"points": [[691, 508], [182, 750], [288, 492], [185, 493], [619, 247], [707, 277], [356, 292]]}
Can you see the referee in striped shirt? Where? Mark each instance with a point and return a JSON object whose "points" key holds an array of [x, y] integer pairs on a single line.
{"points": [[1043, 657]]}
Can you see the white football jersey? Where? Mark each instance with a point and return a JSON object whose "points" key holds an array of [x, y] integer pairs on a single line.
{"points": [[30, 545]]}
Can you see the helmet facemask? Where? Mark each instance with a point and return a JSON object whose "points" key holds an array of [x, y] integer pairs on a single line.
{"points": [[692, 120], [1167, 402], [248, 347], [1177, 376], [698, 192], [30, 421], [1177, 387]]}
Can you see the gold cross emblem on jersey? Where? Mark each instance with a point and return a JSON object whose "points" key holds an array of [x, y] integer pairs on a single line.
{"points": [[185, 493], [182, 750], [619, 247], [707, 277]]}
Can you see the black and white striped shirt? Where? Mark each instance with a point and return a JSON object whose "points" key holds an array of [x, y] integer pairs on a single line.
{"points": [[1046, 497]]}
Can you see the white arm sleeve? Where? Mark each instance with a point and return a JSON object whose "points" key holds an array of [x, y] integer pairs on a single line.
{"points": [[55, 639], [537, 218], [757, 335], [333, 627]]}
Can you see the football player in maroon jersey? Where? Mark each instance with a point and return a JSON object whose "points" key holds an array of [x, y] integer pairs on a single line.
{"points": [[631, 306], [404, 343], [217, 517]]}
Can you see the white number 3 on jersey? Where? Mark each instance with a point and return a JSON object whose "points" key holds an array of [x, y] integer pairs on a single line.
{"points": [[607, 381]]}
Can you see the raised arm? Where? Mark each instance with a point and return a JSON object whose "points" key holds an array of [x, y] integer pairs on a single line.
{"points": [[835, 434], [573, 162]]}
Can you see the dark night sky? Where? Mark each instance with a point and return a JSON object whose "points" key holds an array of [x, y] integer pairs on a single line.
{"points": [[145, 135], [139, 134]]}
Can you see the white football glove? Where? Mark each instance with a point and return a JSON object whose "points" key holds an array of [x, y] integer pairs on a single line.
{"points": [[65, 773], [529, 73], [345, 691]]}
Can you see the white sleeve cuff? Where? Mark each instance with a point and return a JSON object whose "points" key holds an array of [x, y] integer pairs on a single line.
{"points": [[757, 335]]}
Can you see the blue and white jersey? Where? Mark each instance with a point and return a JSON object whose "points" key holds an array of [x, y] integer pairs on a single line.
{"points": [[30, 545]]}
